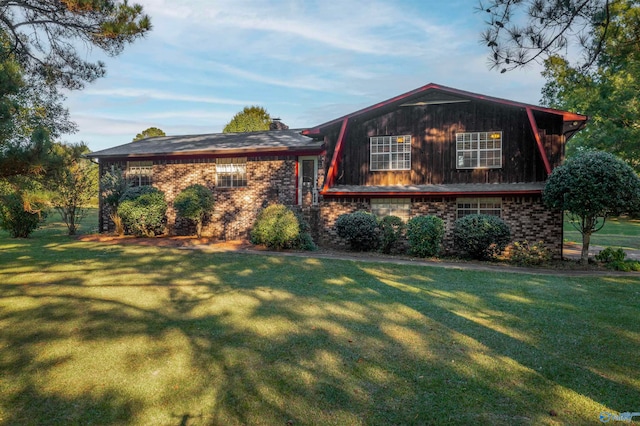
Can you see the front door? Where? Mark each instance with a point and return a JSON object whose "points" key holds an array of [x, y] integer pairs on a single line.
{"points": [[307, 181]]}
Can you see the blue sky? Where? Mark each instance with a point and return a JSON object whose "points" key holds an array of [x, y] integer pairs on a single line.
{"points": [[305, 61]]}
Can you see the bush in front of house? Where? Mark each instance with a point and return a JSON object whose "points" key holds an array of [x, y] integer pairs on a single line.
{"points": [[278, 227], [525, 253], [391, 230], [360, 229], [194, 203], [609, 255], [143, 210], [18, 217], [425, 235], [481, 236], [616, 259]]}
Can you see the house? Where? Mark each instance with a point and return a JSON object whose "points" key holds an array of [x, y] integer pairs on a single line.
{"points": [[434, 150]]}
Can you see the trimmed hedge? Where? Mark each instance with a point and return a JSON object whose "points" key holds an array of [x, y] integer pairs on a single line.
{"points": [[278, 227], [194, 203], [143, 211], [391, 230], [360, 229], [481, 236], [425, 235]]}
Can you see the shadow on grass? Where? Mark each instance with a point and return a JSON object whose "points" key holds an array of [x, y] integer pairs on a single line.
{"points": [[152, 336]]}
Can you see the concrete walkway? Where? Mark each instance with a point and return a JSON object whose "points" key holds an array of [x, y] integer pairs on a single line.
{"points": [[570, 253], [574, 251]]}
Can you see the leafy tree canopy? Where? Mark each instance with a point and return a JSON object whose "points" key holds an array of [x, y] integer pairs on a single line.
{"points": [[250, 119], [525, 31], [607, 92], [149, 133], [39, 53], [43, 35], [590, 187], [74, 184]]}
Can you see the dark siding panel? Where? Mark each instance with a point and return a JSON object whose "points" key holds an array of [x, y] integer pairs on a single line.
{"points": [[433, 129]]}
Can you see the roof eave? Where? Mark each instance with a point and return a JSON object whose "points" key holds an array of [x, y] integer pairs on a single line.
{"points": [[318, 149], [336, 193]]}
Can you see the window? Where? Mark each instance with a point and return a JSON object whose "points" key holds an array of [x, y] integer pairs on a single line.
{"points": [[139, 173], [391, 152], [479, 150], [467, 206], [231, 172], [382, 207]]}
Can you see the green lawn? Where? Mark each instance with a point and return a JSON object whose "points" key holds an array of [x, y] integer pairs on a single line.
{"points": [[617, 232], [107, 334]]}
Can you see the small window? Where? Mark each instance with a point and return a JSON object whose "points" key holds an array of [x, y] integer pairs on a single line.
{"points": [[491, 206], [231, 172], [139, 173], [479, 150], [390, 153], [400, 207]]}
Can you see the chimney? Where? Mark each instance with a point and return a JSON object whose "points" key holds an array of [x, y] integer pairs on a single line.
{"points": [[276, 124]]}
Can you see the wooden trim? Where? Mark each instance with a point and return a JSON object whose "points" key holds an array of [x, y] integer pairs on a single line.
{"points": [[337, 156], [566, 116], [397, 194], [536, 135]]}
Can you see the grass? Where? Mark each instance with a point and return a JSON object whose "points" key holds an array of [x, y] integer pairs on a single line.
{"points": [[617, 232], [112, 334]]}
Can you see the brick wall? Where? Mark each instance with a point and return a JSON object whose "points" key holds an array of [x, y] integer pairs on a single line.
{"points": [[526, 216], [269, 180]]}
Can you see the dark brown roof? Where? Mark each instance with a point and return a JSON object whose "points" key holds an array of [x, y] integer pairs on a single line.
{"points": [[215, 143]]}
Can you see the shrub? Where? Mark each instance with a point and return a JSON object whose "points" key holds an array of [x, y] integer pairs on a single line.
{"points": [[304, 241], [194, 203], [391, 230], [529, 254], [610, 255], [16, 218], [277, 227], [360, 229], [625, 265], [134, 192], [481, 236], [143, 211], [425, 235]]}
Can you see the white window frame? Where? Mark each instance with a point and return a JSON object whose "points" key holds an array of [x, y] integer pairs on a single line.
{"points": [[140, 173], [390, 153], [231, 172], [479, 150], [400, 207], [481, 205]]}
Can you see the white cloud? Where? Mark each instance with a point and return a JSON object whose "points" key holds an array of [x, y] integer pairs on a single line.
{"points": [[130, 92]]}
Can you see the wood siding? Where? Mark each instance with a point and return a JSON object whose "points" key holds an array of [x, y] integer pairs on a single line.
{"points": [[433, 155]]}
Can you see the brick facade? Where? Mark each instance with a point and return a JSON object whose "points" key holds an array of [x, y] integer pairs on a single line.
{"points": [[269, 180], [273, 180], [527, 218]]}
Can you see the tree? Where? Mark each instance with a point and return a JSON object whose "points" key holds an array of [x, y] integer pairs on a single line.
{"points": [[590, 187], [39, 53], [525, 31], [114, 185], [195, 203], [250, 119], [43, 36], [73, 185], [22, 206], [607, 92], [149, 133]]}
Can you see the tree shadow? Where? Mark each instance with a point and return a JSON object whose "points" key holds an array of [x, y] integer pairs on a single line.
{"points": [[200, 338]]}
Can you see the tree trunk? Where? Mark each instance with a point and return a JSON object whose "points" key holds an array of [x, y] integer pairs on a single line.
{"points": [[586, 238]]}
